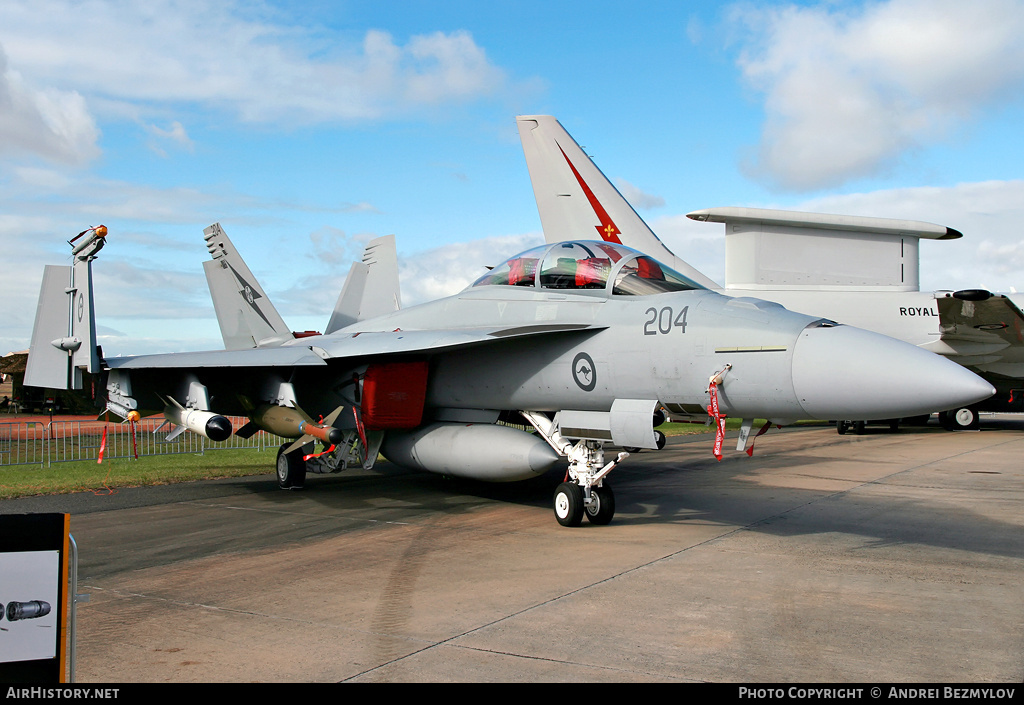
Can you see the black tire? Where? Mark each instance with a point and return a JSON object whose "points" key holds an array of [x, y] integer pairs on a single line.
{"points": [[291, 468], [858, 427], [602, 508], [660, 439], [964, 419], [631, 449], [842, 427], [569, 504], [894, 425]]}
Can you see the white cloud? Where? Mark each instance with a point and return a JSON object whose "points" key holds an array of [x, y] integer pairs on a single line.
{"points": [[637, 198], [239, 56], [447, 270], [174, 135], [150, 269], [989, 214], [700, 245], [52, 124], [40, 209], [849, 91]]}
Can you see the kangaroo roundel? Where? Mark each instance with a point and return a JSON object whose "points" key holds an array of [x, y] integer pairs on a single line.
{"points": [[584, 373]]}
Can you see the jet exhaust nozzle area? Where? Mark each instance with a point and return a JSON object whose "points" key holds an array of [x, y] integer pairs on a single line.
{"points": [[32, 609], [843, 372], [476, 451]]}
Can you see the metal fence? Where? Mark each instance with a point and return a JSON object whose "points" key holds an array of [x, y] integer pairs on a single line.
{"points": [[62, 441]]}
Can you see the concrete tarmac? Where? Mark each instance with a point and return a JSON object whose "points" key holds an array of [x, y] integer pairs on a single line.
{"points": [[881, 558]]}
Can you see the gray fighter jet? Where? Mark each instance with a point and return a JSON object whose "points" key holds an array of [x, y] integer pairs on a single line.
{"points": [[858, 270], [583, 341]]}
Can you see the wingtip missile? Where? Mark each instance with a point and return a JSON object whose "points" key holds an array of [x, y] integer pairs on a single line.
{"points": [[92, 241]]}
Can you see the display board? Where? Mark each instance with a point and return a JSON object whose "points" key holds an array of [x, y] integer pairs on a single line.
{"points": [[33, 599]]}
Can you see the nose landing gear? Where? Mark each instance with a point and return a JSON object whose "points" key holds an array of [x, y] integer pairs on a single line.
{"points": [[571, 505]]}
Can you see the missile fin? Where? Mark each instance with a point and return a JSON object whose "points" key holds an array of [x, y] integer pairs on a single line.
{"points": [[329, 421], [248, 430], [299, 443]]}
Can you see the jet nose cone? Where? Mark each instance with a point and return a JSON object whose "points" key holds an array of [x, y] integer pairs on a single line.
{"points": [[842, 372]]}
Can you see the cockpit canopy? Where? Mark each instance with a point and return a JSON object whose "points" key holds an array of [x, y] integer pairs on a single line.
{"points": [[584, 265]]}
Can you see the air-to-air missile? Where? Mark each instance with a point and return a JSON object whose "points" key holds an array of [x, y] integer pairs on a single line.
{"points": [[205, 423]]}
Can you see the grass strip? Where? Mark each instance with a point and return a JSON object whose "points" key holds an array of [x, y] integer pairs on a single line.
{"points": [[88, 475]]}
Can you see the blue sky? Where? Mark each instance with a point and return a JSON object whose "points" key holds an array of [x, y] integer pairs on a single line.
{"points": [[308, 128]]}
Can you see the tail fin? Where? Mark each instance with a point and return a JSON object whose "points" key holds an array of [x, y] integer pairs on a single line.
{"points": [[371, 288], [247, 318], [576, 200], [64, 334]]}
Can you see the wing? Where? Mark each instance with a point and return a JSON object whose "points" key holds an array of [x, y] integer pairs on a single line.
{"points": [[317, 351], [318, 366], [982, 331]]}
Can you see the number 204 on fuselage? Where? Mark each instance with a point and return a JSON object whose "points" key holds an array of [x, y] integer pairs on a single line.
{"points": [[597, 322]]}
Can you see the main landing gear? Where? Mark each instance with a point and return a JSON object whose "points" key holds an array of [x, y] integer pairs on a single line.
{"points": [[858, 426], [291, 468]]}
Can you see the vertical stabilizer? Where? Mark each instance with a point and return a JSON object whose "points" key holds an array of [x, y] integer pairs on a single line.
{"points": [[247, 318], [64, 334], [371, 288], [576, 200]]}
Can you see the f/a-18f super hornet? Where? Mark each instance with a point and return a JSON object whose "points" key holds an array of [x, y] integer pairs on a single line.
{"points": [[583, 340], [858, 270]]}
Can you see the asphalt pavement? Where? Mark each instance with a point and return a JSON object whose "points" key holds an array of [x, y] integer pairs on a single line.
{"points": [[880, 558]]}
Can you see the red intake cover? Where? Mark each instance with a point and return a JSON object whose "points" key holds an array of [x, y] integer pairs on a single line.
{"points": [[393, 395]]}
